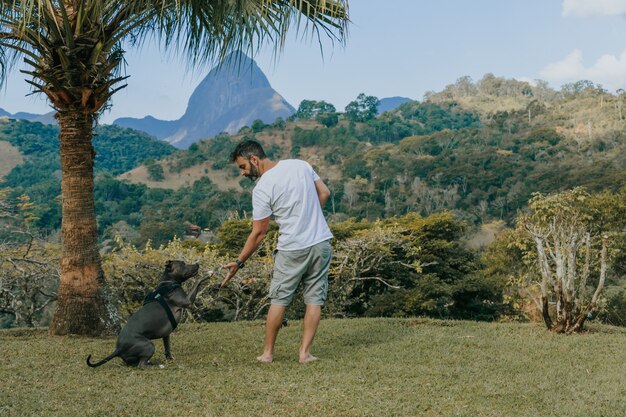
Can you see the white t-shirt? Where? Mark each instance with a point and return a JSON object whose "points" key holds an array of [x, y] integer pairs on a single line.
{"points": [[287, 191]]}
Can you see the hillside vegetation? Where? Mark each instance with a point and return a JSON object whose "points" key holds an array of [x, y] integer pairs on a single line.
{"points": [[39, 176], [367, 367], [479, 149], [429, 206], [10, 157]]}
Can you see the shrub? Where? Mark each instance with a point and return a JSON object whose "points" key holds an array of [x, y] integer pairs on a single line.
{"points": [[29, 279], [133, 273]]}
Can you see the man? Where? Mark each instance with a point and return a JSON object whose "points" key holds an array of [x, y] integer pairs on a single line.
{"points": [[294, 194]]}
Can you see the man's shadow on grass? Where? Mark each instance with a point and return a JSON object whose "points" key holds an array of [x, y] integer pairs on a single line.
{"points": [[345, 342]]}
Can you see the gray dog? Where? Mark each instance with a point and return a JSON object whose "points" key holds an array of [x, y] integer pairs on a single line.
{"points": [[159, 316]]}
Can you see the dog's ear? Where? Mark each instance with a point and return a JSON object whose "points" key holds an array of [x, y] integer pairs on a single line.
{"points": [[168, 265]]}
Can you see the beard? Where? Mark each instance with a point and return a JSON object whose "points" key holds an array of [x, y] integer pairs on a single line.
{"points": [[254, 173]]}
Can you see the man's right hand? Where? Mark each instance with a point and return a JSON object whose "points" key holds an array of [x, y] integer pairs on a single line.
{"points": [[232, 270]]}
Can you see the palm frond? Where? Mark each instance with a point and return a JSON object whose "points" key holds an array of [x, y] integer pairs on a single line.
{"points": [[206, 32], [74, 47]]}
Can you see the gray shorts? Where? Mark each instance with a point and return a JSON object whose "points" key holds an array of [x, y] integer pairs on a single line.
{"points": [[309, 266]]}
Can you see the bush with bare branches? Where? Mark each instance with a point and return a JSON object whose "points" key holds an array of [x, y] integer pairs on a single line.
{"points": [[571, 252], [29, 279], [132, 273], [29, 274]]}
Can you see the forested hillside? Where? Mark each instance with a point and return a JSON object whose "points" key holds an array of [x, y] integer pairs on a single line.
{"points": [[479, 149], [39, 176], [453, 151], [409, 189]]}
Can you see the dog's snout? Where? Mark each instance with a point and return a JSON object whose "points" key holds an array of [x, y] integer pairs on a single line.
{"points": [[193, 269]]}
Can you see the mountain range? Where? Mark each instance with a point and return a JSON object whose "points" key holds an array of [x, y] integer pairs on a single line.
{"points": [[233, 95], [390, 103], [46, 119]]}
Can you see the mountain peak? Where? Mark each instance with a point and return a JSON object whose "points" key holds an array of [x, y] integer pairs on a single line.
{"points": [[232, 95]]}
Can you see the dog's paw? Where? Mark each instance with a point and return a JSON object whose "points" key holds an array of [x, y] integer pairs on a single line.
{"points": [[203, 281], [169, 356], [207, 277]]}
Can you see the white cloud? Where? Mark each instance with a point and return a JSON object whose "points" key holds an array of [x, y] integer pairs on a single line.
{"points": [[570, 67], [608, 70], [586, 8]]}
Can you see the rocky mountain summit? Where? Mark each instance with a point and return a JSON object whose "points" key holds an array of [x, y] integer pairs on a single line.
{"points": [[231, 96]]}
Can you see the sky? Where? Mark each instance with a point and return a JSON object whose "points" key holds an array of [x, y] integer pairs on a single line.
{"points": [[394, 48]]}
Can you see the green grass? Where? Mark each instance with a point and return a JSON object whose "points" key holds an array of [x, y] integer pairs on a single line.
{"points": [[368, 367]]}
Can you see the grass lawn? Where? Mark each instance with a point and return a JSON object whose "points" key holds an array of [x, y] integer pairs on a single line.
{"points": [[367, 367]]}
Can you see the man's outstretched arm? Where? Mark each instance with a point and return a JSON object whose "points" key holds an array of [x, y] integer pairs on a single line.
{"points": [[259, 229]]}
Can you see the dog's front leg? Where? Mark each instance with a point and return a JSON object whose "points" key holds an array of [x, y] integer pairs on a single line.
{"points": [[192, 294], [168, 348]]}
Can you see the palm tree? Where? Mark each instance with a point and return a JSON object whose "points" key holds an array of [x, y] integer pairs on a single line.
{"points": [[73, 50]]}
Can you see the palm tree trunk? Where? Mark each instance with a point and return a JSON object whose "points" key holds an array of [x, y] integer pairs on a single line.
{"points": [[83, 302]]}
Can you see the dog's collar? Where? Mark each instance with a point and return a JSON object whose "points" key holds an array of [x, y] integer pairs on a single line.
{"points": [[169, 285], [162, 290], [159, 295]]}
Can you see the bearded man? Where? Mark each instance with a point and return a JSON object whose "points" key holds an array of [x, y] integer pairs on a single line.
{"points": [[293, 194]]}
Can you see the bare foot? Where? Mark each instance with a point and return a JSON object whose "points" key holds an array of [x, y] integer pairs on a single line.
{"points": [[307, 358], [265, 358]]}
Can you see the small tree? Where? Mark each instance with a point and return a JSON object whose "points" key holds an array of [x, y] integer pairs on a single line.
{"points": [[328, 119], [258, 125], [568, 247], [279, 123], [310, 109], [155, 171], [362, 109]]}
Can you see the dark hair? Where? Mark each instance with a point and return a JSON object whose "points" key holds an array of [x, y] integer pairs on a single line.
{"points": [[247, 149]]}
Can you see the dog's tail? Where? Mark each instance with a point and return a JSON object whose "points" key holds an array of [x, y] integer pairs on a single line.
{"points": [[115, 353]]}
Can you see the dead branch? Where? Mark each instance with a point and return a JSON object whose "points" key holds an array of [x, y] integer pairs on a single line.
{"points": [[256, 315], [586, 268], [374, 279], [603, 265], [27, 260]]}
